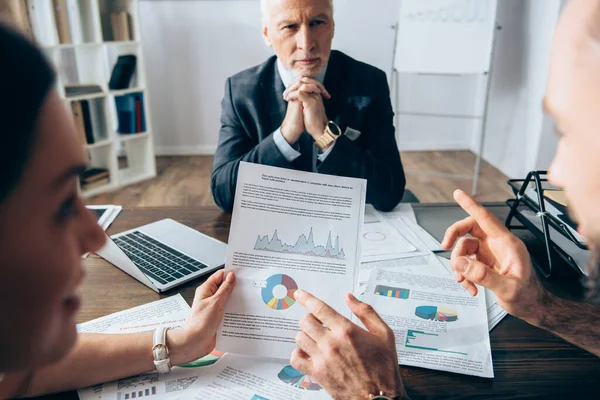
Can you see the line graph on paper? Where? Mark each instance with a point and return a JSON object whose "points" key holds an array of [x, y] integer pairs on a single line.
{"points": [[304, 245]]}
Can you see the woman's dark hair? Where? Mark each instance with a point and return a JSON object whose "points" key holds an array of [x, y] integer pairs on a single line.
{"points": [[26, 78]]}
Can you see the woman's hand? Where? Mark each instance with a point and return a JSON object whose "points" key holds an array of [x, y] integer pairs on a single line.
{"points": [[198, 334]]}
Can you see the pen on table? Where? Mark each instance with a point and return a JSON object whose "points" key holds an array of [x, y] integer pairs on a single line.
{"points": [[443, 253]]}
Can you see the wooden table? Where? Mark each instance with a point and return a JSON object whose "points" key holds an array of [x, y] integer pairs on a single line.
{"points": [[528, 362]]}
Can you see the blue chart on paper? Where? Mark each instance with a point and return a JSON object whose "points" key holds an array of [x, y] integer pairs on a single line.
{"points": [[279, 292]]}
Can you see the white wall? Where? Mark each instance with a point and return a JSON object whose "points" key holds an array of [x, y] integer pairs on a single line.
{"points": [[190, 48], [519, 137]]}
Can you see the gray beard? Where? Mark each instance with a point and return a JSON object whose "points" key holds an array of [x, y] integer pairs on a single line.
{"points": [[592, 282]]}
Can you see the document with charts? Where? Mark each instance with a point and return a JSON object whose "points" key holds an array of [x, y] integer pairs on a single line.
{"points": [[254, 378], [171, 311], [437, 323], [290, 230]]}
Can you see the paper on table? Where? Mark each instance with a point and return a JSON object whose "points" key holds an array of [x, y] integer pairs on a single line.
{"points": [[401, 225], [399, 242], [171, 312], [437, 323], [430, 242], [159, 386], [495, 313], [370, 214], [254, 378], [428, 261], [402, 210], [289, 230], [381, 241], [420, 257], [406, 222]]}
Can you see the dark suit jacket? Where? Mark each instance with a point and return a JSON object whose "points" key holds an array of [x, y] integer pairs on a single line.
{"points": [[253, 108]]}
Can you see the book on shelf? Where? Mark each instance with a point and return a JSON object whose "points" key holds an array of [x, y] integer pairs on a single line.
{"points": [[83, 121], [130, 113], [93, 174], [139, 113], [75, 21], [122, 72], [72, 90], [93, 178], [78, 120], [16, 14], [86, 187], [62, 21], [87, 121], [114, 23], [121, 26]]}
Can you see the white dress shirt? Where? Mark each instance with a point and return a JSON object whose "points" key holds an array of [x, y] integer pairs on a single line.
{"points": [[284, 147]]}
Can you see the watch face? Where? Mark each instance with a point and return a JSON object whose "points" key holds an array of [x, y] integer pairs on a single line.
{"points": [[334, 128]]}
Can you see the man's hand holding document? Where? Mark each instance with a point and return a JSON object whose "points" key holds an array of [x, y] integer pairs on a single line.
{"points": [[290, 230]]}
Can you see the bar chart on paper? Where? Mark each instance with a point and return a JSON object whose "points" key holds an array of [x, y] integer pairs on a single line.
{"points": [[426, 341], [394, 292], [138, 394]]}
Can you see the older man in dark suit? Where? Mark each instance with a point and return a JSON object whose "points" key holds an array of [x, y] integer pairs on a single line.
{"points": [[309, 108]]}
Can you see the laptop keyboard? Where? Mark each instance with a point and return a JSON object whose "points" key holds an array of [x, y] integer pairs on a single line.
{"points": [[155, 259]]}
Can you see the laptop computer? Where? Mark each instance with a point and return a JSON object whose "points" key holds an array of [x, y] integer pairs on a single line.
{"points": [[164, 254]]}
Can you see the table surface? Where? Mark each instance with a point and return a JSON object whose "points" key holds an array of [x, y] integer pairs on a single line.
{"points": [[528, 362]]}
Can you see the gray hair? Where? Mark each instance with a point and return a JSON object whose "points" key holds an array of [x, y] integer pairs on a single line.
{"points": [[264, 9]]}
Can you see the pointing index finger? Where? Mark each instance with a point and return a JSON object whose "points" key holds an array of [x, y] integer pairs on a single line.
{"points": [[327, 315], [486, 220]]}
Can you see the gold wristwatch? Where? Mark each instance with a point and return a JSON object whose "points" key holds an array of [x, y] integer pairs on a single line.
{"points": [[331, 134]]}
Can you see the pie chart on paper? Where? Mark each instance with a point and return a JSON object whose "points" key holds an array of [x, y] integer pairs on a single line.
{"points": [[297, 379], [436, 313], [278, 294]]}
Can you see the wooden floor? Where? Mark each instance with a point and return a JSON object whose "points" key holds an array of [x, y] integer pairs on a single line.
{"points": [[184, 181]]}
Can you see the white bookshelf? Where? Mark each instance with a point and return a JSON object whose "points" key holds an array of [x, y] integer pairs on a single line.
{"points": [[89, 59]]}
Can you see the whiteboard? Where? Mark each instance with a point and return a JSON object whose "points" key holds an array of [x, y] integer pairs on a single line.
{"points": [[445, 36]]}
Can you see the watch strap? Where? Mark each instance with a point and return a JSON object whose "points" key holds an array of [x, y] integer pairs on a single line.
{"points": [[324, 140], [160, 351], [327, 137]]}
